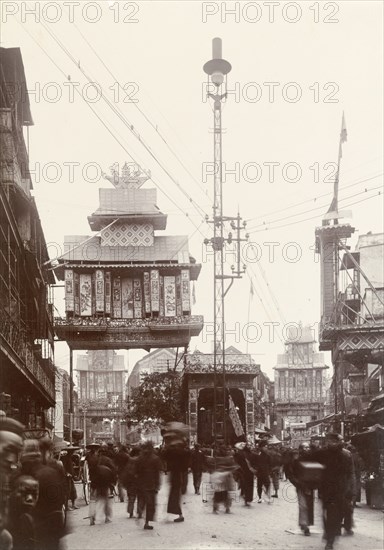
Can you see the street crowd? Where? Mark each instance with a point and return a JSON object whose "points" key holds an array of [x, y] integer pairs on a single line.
{"points": [[37, 484]]}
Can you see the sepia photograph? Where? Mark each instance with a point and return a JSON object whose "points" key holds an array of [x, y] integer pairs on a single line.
{"points": [[191, 275]]}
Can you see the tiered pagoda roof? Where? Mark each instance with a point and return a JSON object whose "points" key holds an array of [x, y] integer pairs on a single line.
{"points": [[127, 287]]}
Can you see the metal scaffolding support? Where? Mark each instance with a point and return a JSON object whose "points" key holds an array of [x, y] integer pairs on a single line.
{"points": [[217, 69]]}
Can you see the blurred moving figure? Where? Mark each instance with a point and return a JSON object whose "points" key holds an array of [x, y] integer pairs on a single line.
{"points": [[148, 479], [294, 473], [103, 476], [198, 466], [11, 443], [337, 488], [52, 496]]}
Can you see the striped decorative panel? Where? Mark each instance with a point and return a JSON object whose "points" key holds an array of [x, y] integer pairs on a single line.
{"points": [[91, 386], [108, 292], [99, 290], [116, 297], [85, 295], [147, 293], [127, 298], [179, 310], [185, 291], [161, 291], [155, 290], [69, 291], [76, 292], [93, 293], [169, 296], [137, 299]]}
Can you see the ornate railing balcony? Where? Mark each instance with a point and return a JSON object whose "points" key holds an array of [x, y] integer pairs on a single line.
{"points": [[41, 369], [157, 323], [198, 367]]}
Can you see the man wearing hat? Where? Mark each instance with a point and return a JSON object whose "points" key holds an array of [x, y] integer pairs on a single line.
{"points": [[66, 458], [338, 484]]}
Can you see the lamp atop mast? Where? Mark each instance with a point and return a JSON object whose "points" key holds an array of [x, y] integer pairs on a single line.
{"points": [[217, 67]]}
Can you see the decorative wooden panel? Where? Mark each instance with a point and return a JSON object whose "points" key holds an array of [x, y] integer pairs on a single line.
{"points": [[185, 291], [169, 296], [69, 291], [108, 292], [127, 298], [137, 299], [85, 294], [76, 288], [161, 287], [147, 292], [100, 291], [117, 297], [155, 291], [179, 310]]}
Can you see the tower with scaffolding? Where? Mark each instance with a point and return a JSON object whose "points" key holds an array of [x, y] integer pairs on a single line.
{"points": [[352, 312]]}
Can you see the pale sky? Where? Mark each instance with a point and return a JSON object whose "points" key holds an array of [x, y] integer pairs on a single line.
{"points": [[317, 62]]}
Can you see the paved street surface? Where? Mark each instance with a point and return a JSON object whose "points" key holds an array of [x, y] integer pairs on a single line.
{"points": [[261, 526]]}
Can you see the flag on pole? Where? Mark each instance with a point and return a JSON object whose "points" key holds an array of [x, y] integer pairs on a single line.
{"points": [[335, 201], [235, 419]]}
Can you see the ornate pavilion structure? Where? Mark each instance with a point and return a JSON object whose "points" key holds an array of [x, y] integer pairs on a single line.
{"points": [[126, 287], [238, 385]]}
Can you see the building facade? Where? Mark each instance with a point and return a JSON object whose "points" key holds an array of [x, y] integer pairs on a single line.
{"points": [[300, 384], [27, 376], [101, 395], [159, 360]]}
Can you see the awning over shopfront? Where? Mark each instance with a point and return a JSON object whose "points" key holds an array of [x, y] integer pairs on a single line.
{"points": [[373, 434], [260, 431], [325, 420]]}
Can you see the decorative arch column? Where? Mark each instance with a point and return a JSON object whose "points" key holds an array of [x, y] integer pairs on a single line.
{"points": [[193, 395], [250, 415]]}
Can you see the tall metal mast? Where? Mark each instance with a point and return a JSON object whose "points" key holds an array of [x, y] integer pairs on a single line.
{"points": [[217, 69]]}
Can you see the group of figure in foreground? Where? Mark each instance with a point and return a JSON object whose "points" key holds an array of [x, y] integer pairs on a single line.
{"points": [[35, 487]]}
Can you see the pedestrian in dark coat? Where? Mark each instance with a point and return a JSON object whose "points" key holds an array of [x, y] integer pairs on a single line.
{"points": [[66, 459], [52, 496], [264, 467], [245, 476], [148, 479], [121, 459], [338, 486], [129, 481], [177, 458], [198, 464], [304, 491], [103, 476], [276, 463]]}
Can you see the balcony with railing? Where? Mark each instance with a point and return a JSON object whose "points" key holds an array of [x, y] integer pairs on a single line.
{"points": [[95, 332], [42, 370]]}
